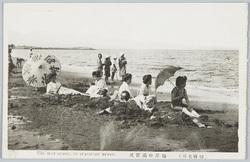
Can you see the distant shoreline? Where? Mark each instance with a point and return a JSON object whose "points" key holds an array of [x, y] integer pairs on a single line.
{"points": [[55, 48]]}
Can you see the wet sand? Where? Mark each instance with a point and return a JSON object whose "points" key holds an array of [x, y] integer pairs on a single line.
{"points": [[40, 122]]}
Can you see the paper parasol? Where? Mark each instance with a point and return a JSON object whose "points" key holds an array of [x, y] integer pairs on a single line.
{"points": [[38, 68]]}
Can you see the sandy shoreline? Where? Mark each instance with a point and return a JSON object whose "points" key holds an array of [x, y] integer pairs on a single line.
{"points": [[70, 124]]}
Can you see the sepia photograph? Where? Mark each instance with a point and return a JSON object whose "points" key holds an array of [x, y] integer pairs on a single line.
{"points": [[124, 80]]}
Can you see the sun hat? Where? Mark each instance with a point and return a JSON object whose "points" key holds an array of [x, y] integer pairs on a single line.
{"points": [[114, 56], [107, 56]]}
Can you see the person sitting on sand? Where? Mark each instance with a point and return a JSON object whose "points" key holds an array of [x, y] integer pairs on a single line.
{"points": [[54, 87], [100, 88], [145, 96], [178, 94], [127, 79], [124, 97]]}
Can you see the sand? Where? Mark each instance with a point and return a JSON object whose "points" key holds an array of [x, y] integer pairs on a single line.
{"points": [[41, 122]]}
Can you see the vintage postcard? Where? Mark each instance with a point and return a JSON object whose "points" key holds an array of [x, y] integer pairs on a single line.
{"points": [[124, 80]]}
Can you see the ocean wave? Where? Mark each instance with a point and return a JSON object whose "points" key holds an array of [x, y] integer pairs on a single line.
{"points": [[188, 70], [217, 89]]}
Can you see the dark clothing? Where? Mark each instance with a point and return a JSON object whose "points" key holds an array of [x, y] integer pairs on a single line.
{"points": [[112, 76], [176, 97], [122, 65], [11, 64], [107, 65]]}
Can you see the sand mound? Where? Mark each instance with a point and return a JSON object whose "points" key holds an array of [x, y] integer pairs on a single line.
{"points": [[128, 111]]}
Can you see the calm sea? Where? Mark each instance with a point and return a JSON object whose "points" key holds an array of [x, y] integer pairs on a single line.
{"points": [[204, 69]]}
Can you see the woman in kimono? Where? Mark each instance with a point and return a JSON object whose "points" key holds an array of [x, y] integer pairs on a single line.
{"points": [[145, 96], [122, 65], [54, 87], [100, 88], [127, 79], [107, 64]]}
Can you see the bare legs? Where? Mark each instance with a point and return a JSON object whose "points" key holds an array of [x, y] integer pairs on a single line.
{"points": [[192, 114]]}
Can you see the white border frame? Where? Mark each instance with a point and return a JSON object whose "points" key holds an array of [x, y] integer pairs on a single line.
{"points": [[125, 155]]}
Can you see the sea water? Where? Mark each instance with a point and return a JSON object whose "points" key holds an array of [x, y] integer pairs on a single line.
{"points": [[205, 69]]}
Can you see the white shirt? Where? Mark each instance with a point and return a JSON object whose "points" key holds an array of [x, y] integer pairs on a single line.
{"points": [[143, 92], [124, 87], [53, 87], [101, 84], [114, 65]]}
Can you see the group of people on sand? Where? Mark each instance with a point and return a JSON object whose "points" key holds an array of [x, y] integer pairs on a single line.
{"points": [[110, 68], [144, 99]]}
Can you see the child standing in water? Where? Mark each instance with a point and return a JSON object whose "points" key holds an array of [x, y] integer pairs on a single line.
{"points": [[178, 94]]}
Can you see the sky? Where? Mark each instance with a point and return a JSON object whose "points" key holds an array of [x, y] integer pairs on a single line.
{"points": [[126, 25]]}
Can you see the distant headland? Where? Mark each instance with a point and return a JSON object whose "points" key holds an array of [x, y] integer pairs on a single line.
{"points": [[50, 48]]}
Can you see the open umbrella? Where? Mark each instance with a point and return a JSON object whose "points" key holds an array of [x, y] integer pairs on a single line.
{"points": [[38, 69], [164, 75]]}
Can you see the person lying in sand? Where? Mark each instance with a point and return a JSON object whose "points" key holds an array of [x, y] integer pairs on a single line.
{"points": [[145, 96], [127, 79], [54, 87], [124, 97], [100, 89], [178, 94]]}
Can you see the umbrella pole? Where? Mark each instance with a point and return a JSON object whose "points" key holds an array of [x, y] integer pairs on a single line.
{"points": [[171, 82]]}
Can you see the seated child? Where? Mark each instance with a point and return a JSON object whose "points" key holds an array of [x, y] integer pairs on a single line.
{"points": [[145, 96], [127, 79], [100, 88], [178, 94], [124, 97], [54, 87]]}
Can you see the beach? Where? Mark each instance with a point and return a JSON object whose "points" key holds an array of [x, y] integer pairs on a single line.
{"points": [[41, 122]]}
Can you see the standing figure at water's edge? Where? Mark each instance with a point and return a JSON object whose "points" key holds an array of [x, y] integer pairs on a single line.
{"points": [[30, 53], [122, 65], [11, 64], [114, 68], [107, 64], [99, 64]]}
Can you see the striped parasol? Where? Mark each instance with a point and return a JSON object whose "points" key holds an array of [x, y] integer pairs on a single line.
{"points": [[38, 69]]}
